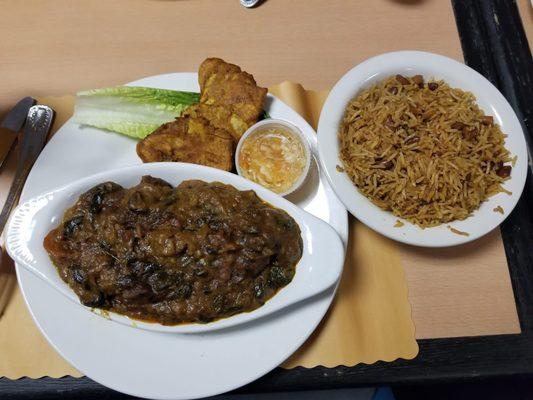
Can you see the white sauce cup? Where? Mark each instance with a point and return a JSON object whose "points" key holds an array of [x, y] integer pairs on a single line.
{"points": [[277, 123]]}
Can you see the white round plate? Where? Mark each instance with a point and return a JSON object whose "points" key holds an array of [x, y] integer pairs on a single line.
{"points": [[154, 364], [457, 75]]}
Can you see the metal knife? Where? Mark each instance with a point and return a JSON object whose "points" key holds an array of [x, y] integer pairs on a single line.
{"points": [[38, 124], [11, 125]]}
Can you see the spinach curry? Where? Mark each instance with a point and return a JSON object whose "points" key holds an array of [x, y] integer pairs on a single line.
{"points": [[194, 253]]}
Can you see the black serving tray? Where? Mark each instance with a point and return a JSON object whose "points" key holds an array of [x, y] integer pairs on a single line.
{"points": [[494, 44]]}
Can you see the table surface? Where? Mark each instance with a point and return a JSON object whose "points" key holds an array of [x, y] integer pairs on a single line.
{"points": [[60, 46], [102, 43], [63, 46]]}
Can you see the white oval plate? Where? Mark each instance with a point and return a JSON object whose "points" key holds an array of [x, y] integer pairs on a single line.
{"points": [[153, 364], [457, 75], [318, 269]]}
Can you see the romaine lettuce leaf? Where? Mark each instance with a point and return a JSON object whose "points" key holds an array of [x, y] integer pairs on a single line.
{"points": [[130, 110]]}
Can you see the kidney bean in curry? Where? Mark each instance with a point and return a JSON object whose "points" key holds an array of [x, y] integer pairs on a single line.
{"points": [[194, 253]]}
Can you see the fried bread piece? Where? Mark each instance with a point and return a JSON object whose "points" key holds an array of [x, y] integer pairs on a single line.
{"points": [[191, 140], [230, 98]]}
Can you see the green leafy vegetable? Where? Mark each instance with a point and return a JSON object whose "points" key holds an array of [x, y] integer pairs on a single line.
{"points": [[130, 110]]}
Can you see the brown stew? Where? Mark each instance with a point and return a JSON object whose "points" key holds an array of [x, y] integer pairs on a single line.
{"points": [[194, 253]]}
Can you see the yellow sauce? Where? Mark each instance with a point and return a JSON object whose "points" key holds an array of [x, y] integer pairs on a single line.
{"points": [[274, 157]]}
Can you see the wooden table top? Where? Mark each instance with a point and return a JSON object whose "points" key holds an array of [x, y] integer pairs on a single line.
{"points": [[59, 47], [63, 46]]}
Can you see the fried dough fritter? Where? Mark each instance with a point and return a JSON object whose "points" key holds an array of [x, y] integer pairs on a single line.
{"points": [[191, 140], [230, 98], [207, 132]]}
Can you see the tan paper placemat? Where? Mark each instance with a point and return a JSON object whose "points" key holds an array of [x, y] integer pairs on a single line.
{"points": [[369, 321]]}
